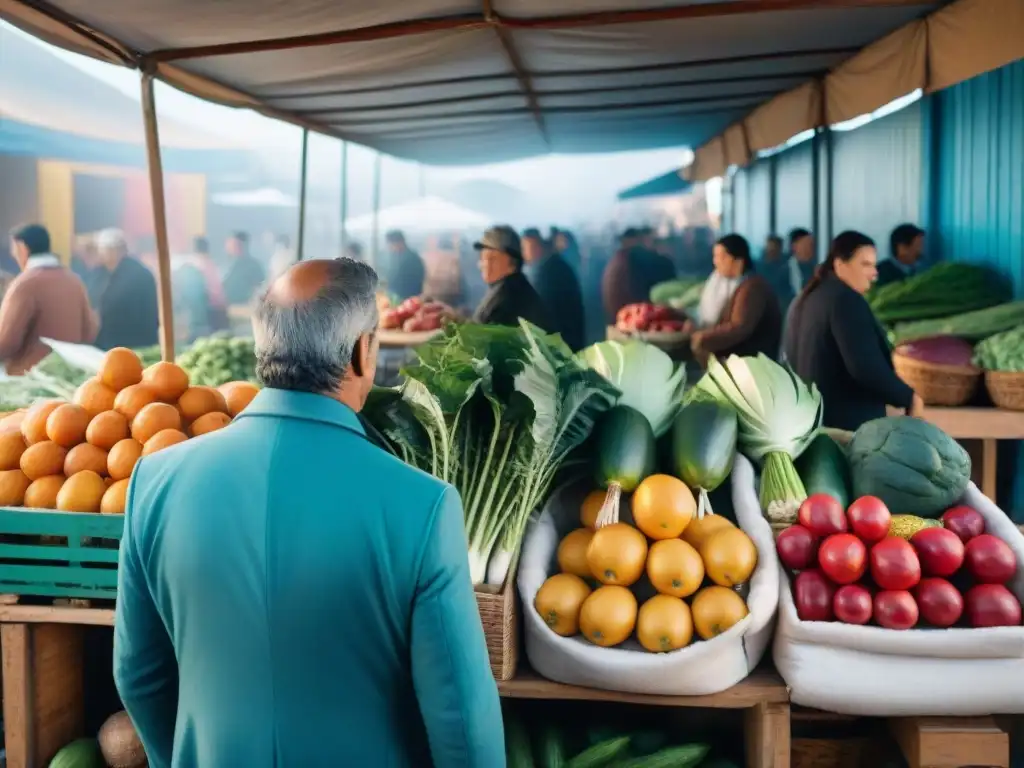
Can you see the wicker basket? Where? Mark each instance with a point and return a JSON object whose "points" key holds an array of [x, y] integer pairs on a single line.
{"points": [[499, 614], [1006, 389], [935, 383]]}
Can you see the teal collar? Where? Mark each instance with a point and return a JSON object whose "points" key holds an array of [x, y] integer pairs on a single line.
{"points": [[283, 403]]}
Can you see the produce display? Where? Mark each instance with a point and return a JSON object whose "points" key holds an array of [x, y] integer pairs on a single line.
{"points": [[849, 566], [1002, 351], [948, 288], [219, 359], [651, 318], [117, 745], [668, 576], [413, 314], [940, 350], [680, 294], [77, 455], [972, 326]]}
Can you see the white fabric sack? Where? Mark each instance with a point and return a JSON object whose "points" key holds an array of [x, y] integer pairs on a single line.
{"points": [[879, 672], [703, 667]]}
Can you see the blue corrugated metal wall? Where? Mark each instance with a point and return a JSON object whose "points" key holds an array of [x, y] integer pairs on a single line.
{"points": [[794, 188], [759, 184], [979, 210]]}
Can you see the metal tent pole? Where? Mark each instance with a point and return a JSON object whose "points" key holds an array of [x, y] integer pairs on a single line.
{"points": [[301, 239], [344, 196], [156, 190], [376, 208]]}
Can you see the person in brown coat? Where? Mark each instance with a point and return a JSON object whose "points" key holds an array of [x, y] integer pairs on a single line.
{"points": [[751, 321], [46, 300]]}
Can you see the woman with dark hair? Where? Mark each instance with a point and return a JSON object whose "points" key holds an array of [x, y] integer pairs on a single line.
{"points": [[834, 341], [739, 313]]}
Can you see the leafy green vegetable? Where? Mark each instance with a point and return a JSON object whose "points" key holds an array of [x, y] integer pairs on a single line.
{"points": [[218, 359], [948, 288], [778, 416], [678, 294], [650, 381], [972, 326], [1002, 352]]}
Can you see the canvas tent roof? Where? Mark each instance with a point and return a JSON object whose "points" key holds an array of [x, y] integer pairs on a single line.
{"points": [[425, 214], [471, 81]]}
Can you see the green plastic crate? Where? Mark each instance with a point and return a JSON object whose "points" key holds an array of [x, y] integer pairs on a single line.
{"points": [[78, 557]]}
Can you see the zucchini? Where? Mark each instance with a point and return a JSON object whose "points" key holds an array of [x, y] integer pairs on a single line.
{"points": [[824, 468], [552, 748], [685, 756], [517, 742], [624, 456], [600, 755], [704, 447]]}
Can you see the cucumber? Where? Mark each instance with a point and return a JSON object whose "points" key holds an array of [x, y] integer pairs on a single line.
{"points": [[624, 449], [704, 447], [685, 756], [600, 755], [517, 743], [552, 748], [824, 468]]}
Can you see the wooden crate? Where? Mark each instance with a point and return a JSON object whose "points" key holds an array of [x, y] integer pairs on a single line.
{"points": [[499, 613], [951, 742], [59, 554]]}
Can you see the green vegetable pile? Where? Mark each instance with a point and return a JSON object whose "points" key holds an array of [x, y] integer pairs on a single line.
{"points": [[216, 360], [1002, 352], [972, 326], [948, 288], [496, 412], [679, 294]]}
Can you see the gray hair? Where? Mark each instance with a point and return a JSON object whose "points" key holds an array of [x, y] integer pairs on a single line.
{"points": [[307, 346]]}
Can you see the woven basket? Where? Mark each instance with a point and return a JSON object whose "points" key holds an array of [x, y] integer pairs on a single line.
{"points": [[499, 614], [1006, 389], [936, 383]]}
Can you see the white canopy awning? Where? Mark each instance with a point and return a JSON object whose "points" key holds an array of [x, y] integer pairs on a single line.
{"points": [[426, 214], [265, 197]]}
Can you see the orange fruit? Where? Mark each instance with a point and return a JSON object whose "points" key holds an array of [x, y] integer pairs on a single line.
{"points": [[716, 610], [700, 528], [33, 426], [664, 624], [209, 422], [558, 602], [616, 554], [163, 439], [237, 395], [12, 445], [154, 418], [591, 508], [134, 398], [115, 498], [81, 492], [107, 429], [120, 368], [83, 457], [13, 420], [663, 506], [123, 457], [608, 615], [67, 424], [42, 459], [198, 401], [42, 493], [13, 484], [168, 380], [95, 396], [572, 553], [674, 568], [729, 557]]}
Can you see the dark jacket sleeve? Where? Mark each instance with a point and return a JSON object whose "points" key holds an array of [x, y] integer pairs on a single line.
{"points": [[745, 312], [615, 285], [854, 328], [559, 291], [888, 273]]}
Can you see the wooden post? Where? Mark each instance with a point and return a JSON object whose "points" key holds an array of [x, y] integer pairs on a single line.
{"points": [[156, 189], [376, 209], [301, 239], [344, 196]]}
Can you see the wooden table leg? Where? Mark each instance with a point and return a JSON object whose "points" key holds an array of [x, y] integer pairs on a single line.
{"points": [[989, 463], [766, 731], [951, 742]]}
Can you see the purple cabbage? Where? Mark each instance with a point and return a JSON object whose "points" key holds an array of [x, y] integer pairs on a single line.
{"points": [[942, 350]]}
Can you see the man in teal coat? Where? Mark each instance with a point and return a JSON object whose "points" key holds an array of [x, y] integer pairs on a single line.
{"points": [[290, 595]]}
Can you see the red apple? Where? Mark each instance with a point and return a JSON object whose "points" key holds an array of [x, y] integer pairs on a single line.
{"points": [[939, 601], [895, 609], [992, 605], [843, 558], [869, 519], [813, 594], [964, 521], [894, 564], [797, 548], [852, 604], [822, 515], [941, 552], [989, 559]]}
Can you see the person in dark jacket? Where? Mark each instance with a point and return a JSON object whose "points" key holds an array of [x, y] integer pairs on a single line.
{"points": [[127, 306], [834, 341], [751, 321], [244, 273], [906, 244], [509, 294], [775, 268], [405, 270], [631, 273], [557, 285], [803, 258]]}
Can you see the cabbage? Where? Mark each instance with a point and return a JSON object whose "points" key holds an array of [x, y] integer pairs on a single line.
{"points": [[650, 381]]}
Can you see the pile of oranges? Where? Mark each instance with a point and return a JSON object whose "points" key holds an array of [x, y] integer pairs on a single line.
{"points": [[79, 456], [666, 575]]}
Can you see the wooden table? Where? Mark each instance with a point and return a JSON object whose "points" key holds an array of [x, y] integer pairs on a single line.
{"points": [[763, 696]]}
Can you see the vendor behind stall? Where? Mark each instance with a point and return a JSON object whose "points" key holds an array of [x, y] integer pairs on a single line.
{"points": [[739, 312], [834, 341], [509, 294]]}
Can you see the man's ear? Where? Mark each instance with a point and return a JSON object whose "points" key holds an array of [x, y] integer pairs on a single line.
{"points": [[361, 355]]}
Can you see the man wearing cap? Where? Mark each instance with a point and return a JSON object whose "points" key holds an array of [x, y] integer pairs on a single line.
{"points": [[127, 305], [906, 244], [509, 294], [556, 284]]}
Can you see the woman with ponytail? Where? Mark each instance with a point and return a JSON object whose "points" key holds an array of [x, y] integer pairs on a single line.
{"points": [[834, 341]]}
